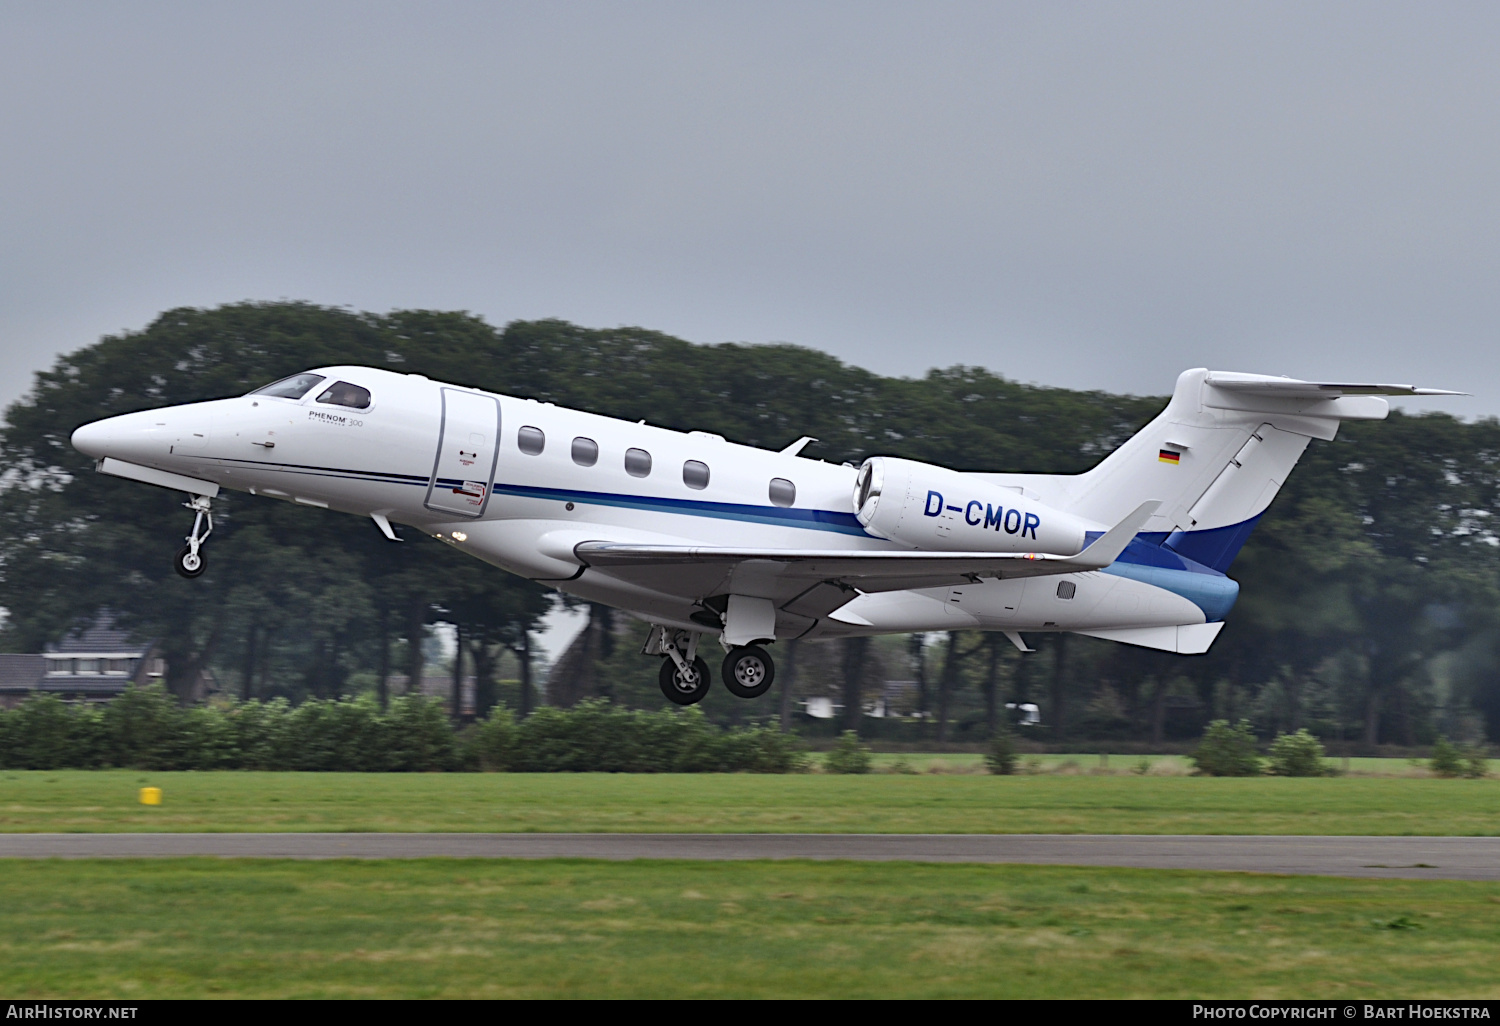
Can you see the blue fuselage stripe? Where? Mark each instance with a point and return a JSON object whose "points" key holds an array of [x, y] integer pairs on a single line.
{"points": [[812, 519], [779, 516]]}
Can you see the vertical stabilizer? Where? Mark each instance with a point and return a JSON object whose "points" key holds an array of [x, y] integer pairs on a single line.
{"points": [[1216, 457]]}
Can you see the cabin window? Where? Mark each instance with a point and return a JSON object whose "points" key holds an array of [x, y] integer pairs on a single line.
{"points": [[341, 393], [637, 462], [585, 451], [531, 440], [1066, 589], [783, 492], [294, 387], [695, 474]]}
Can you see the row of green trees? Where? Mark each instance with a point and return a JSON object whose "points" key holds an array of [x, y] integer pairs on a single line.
{"points": [[1369, 610], [146, 729]]}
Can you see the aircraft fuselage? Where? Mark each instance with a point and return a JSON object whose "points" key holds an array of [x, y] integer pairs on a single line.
{"points": [[520, 484]]}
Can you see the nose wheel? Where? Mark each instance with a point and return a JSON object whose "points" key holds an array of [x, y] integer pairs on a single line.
{"points": [[748, 671], [189, 561]]}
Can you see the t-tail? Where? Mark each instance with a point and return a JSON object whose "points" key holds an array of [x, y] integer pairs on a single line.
{"points": [[1215, 457]]}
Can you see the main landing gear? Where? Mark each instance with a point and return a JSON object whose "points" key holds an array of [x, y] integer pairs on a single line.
{"points": [[189, 562], [748, 669], [684, 675]]}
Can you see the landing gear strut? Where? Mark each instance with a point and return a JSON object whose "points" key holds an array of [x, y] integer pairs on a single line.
{"points": [[189, 562], [684, 675], [748, 671]]}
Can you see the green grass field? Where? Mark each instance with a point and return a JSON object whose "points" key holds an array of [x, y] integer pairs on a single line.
{"points": [[496, 928], [877, 803]]}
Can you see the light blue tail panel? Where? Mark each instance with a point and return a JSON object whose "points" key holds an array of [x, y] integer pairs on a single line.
{"points": [[1213, 593]]}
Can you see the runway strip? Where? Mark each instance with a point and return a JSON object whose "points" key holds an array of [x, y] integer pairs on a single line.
{"points": [[1439, 858]]}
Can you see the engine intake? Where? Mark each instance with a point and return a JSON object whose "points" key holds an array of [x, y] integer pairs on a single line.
{"points": [[935, 508]]}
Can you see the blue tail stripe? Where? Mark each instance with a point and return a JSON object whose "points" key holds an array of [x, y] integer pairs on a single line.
{"points": [[1214, 547], [1212, 593]]}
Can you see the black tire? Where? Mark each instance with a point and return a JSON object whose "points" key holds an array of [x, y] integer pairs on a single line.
{"points": [[748, 672], [680, 691], [184, 563]]}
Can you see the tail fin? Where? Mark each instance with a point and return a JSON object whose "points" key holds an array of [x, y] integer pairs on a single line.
{"points": [[1216, 457]]}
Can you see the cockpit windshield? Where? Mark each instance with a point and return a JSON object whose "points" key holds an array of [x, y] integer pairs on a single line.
{"points": [[341, 393], [294, 387]]}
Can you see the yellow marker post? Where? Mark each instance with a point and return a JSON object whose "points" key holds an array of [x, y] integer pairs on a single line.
{"points": [[150, 796]]}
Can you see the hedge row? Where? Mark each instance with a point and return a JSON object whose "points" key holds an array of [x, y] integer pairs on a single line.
{"points": [[144, 728]]}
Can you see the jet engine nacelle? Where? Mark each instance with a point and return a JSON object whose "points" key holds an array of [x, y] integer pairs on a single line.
{"points": [[930, 507]]}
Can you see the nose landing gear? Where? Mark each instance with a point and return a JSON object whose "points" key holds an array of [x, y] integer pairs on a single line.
{"points": [[189, 561]]}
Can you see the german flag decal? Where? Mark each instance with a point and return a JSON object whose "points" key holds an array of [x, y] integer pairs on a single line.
{"points": [[1168, 456]]}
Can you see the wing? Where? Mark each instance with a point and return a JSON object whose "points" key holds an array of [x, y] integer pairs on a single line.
{"points": [[814, 582]]}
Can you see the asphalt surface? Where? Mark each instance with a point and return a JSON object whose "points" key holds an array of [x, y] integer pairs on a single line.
{"points": [[1442, 858]]}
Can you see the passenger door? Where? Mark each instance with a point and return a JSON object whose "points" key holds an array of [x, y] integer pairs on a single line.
{"points": [[468, 446]]}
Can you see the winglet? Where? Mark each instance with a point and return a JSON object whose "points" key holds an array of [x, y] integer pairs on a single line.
{"points": [[1107, 548]]}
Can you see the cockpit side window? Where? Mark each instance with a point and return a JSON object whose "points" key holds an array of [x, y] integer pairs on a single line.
{"points": [[294, 387], [341, 393]]}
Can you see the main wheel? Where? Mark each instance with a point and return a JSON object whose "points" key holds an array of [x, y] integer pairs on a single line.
{"points": [[748, 672], [189, 563], [684, 688]]}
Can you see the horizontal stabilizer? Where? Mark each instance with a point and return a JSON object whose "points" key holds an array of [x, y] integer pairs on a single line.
{"points": [[1292, 388]]}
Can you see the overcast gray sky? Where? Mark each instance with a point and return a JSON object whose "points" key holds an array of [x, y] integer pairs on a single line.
{"points": [[1087, 195]]}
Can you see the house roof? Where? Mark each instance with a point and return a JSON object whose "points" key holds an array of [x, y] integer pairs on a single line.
{"points": [[20, 672], [100, 636]]}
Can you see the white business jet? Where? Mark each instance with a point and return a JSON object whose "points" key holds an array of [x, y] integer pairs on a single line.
{"points": [[701, 537]]}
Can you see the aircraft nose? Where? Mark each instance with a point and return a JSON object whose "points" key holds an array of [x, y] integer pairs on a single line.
{"points": [[132, 437], [94, 439]]}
